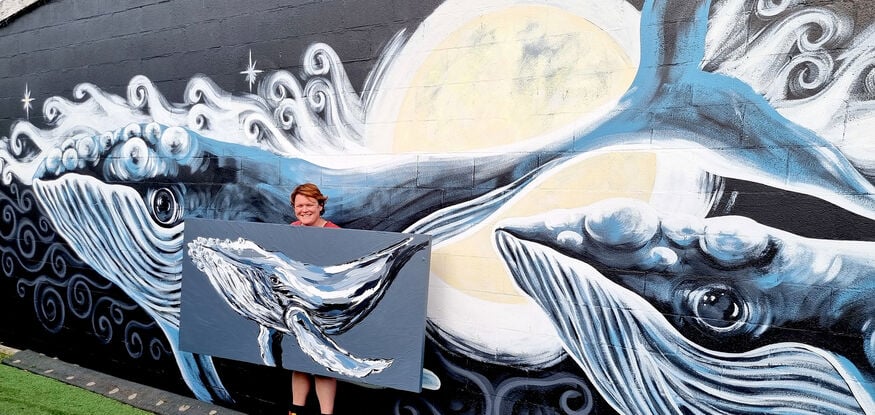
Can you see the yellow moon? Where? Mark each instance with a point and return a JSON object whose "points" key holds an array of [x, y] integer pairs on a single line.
{"points": [[508, 76]]}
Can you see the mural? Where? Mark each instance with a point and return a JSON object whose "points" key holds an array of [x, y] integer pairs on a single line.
{"points": [[662, 209]]}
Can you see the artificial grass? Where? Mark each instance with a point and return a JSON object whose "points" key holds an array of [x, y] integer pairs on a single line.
{"points": [[25, 393]]}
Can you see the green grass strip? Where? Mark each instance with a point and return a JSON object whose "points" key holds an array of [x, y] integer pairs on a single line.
{"points": [[25, 393]]}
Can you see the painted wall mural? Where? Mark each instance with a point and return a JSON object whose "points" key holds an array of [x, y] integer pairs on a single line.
{"points": [[652, 208]]}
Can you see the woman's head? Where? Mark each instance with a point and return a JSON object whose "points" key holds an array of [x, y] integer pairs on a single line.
{"points": [[308, 202]]}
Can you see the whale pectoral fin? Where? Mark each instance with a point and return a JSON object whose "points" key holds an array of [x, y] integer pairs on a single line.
{"points": [[325, 351], [271, 351], [200, 375], [448, 222], [430, 380], [197, 370]]}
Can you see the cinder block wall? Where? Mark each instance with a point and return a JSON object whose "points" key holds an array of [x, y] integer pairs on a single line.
{"points": [[636, 208]]}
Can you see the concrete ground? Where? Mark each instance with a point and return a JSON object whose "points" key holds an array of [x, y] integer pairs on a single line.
{"points": [[141, 396]]}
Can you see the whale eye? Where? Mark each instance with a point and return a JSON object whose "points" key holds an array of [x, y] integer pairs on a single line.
{"points": [[164, 206], [718, 308]]}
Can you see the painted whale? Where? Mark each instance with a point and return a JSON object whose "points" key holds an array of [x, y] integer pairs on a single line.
{"points": [[729, 281], [731, 276], [312, 302], [111, 229]]}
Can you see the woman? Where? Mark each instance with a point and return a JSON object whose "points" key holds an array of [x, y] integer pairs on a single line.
{"points": [[309, 205]]}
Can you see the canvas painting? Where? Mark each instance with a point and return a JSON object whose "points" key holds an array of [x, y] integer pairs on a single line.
{"points": [[345, 303]]}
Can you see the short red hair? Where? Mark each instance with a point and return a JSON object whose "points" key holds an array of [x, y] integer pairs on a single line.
{"points": [[309, 190]]}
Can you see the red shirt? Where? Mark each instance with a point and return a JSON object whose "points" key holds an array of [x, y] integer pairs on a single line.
{"points": [[327, 224]]}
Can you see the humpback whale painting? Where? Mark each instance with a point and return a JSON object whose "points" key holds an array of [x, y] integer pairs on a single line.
{"points": [[314, 301], [635, 207]]}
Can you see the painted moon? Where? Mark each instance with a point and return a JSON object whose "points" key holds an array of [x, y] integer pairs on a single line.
{"points": [[476, 75]]}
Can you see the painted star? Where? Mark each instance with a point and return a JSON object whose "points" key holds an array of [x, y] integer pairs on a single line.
{"points": [[27, 100], [250, 72]]}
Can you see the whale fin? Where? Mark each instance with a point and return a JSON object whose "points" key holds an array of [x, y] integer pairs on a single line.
{"points": [[430, 380], [449, 222], [266, 345], [326, 352]]}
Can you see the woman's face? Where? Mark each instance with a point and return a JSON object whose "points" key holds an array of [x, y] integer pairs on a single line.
{"points": [[307, 210]]}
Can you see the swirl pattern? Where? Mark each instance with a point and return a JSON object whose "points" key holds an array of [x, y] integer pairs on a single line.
{"points": [[63, 291], [555, 392]]}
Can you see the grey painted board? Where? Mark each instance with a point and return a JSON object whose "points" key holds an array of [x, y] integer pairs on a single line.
{"points": [[388, 327]]}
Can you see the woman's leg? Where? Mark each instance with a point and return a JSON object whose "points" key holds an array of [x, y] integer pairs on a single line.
{"points": [[326, 390], [300, 388]]}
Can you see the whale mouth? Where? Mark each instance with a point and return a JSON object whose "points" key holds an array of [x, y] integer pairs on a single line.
{"points": [[641, 364]]}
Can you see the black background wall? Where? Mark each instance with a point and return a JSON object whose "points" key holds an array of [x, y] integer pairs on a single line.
{"points": [[59, 44]]}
